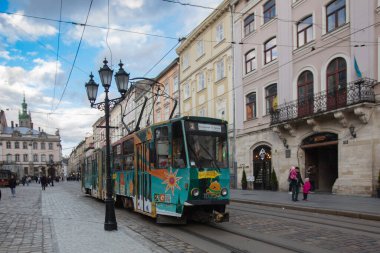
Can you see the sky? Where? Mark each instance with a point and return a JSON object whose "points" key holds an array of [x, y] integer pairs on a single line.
{"points": [[50, 61]]}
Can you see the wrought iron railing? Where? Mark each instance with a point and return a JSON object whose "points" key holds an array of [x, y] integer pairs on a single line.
{"points": [[347, 94]]}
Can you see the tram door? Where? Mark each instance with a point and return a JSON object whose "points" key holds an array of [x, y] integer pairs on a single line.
{"points": [[143, 178]]}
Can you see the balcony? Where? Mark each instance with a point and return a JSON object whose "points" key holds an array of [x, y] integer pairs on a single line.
{"points": [[347, 95]]}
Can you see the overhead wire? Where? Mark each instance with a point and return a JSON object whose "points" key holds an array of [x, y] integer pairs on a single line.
{"points": [[76, 55]]}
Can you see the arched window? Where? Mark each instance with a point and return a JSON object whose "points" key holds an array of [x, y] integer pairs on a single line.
{"points": [[270, 50], [34, 145], [305, 93], [250, 61], [249, 24], [250, 105], [336, 76]]}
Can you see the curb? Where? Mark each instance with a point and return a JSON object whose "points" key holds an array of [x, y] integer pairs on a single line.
{"points": [[364, 216]]}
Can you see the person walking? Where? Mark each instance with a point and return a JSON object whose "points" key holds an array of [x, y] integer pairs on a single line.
{"points": [[43, 182], [12, 185], [306, 188]]}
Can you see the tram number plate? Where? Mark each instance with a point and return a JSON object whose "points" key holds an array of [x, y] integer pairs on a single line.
{"points": [[162, 198]]}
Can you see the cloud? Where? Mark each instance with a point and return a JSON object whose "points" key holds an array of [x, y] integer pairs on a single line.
{"points": [[16, 27], [5, 55]]}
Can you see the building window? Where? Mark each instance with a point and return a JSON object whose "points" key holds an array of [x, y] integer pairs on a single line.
{"points": [[305, 31], [25, 157], [17, 145], [270, 50], [187, 90], [202, 112], [250, 61], [219, 33], [17, 158], [43, 158], [166, 88], [25, 145], [185, 60], [8, 145], [35, 158], [175, 84], [9, 158], [335, 14], [269, 10], [43, 145], [249, 24], [50, 146], [34, 145], [201, 81], [51, 158], [200, 49], [305, 85], [251, 105], [219, 70], [271, 98]]}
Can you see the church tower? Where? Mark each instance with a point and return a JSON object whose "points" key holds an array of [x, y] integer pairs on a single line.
{"points": [[25, 119]]}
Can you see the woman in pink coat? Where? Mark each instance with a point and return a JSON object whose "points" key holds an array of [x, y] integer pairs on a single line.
{"points": [[306, 188]]}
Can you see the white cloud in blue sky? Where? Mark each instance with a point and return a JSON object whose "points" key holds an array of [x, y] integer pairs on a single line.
{"points": [[28, 51]]}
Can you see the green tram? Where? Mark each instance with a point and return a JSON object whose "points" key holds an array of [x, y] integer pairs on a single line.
{"points": [[172, 171]]}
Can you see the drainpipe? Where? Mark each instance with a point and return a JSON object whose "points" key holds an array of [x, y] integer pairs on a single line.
{"points": [[233, 100]]}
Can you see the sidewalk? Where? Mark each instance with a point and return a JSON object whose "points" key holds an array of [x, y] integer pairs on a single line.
{"points": [[350, 206], [60, 221]]}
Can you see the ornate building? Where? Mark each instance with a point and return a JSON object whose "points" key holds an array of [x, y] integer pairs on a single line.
{"points": [[28, 151]]}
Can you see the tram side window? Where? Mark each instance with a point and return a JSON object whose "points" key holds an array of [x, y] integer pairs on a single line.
{"points": [[162, 147], [179, 156], [117, 163], [128, 154]]}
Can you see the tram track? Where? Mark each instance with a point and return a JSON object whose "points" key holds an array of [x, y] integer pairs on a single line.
{"points": [[327, 221]]}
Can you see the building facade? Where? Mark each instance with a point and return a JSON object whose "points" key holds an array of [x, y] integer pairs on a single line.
{"points": [[306, 76], [168, 86], [28, 151]]}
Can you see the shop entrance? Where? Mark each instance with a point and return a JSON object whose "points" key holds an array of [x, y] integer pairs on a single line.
{"points": [[321, 160], [262, 164]]}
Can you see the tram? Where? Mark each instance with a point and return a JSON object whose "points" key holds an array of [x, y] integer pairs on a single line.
{"points": [[173, 171], [5, 176]]}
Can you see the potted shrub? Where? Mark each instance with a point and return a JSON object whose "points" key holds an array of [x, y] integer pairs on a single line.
{"points": [[274, 181], [244, 181]]}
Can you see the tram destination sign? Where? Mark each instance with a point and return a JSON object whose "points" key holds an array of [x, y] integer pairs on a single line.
{"points": [[204, 127]]}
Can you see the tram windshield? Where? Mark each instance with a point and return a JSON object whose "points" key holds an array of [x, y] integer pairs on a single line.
{"points": [[207, 151]]}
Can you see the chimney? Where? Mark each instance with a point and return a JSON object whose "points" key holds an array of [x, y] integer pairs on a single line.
{"points": [[12, 124]]}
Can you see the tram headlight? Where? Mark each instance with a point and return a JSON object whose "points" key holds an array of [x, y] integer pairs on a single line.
{"points": [[195, 192], [224, 192]]}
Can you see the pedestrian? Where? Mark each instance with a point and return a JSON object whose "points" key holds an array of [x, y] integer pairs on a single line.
{"points": [[306, 188], [23, 180], [296, 183], [43, 182], [0, 194], [12, 185], [292, 178]]}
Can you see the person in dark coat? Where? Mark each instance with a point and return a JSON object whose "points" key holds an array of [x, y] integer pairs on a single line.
{"points": [[296, 185], [12, 185], [43, 182]]}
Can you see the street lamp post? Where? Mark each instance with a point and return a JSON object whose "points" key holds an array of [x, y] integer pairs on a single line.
{"points": [[122, 79]]}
